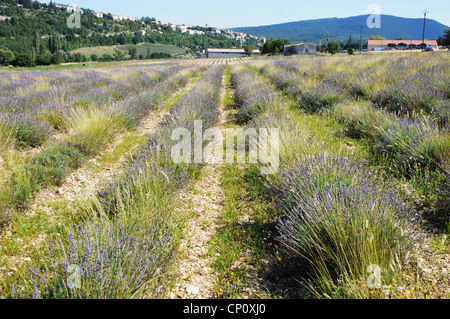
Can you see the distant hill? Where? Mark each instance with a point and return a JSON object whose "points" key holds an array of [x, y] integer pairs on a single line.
{"points": [[340, 28]]}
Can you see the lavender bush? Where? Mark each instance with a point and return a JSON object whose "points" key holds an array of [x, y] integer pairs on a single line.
{"points": [[288, 81], [320, 97], [406, 97], [104, 260], [252, 95], [340, 217], [26, 130], [408, 142]]}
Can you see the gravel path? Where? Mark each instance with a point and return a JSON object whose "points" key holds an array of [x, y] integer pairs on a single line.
{"points": [[205, 203]]}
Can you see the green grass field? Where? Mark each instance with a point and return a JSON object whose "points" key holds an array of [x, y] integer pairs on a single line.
{"points": [[142, 49]]}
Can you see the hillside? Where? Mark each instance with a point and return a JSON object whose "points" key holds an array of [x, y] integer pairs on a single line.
{"points": [[340, 28], [31, 29]]}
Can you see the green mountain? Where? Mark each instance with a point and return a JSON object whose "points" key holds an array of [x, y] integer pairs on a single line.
{"points": [[341, 28]]}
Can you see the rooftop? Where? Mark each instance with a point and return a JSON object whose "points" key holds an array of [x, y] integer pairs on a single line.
{"points": [[298, 44], [229, 50], [416, 42]]}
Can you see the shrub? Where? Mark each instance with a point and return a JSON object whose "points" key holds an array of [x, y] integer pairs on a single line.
{"points": [[406, 98], [288, 81], [321, 97], [339, 218], [333, 47], [408, 142], [26, 130], [106, 58], [24, 60], [111, 260], [48, 168], [443, 194], [59, 57], [6, 56], [44, 59], [252, 95], [361, 120]]}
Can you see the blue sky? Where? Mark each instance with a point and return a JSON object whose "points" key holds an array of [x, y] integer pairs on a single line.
{"points": [[237, 13]]}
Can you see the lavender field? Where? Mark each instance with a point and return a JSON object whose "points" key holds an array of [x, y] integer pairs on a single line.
{"points": [[93, 206]]}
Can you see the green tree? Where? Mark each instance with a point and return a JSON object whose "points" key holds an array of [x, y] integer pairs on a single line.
{"points": [[333, 47], [376, 37], [350, 51], [119, 55], [59, 57], [249, 49], [106, 58], [37, 43], [349, 42], [274, 46], [78, 57], [44, 59], [6, 56], [94, 57], [446, 39], [133, 52], [54, 42], [24, 60]]}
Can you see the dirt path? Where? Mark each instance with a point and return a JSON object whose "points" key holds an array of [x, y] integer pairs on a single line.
{"points": [[205, 203], [86, 180]]}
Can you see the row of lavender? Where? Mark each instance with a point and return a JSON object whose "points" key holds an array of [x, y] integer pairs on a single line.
{"points": [[335, 215], [35, 105], [406, 122], [94, 129], [127, 253], [402, 85]]}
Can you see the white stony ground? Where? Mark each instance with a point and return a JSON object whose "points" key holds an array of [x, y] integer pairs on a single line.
{"points": [[205, 203]]}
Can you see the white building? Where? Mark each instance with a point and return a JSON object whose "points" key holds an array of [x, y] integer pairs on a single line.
{"points": [[70, 8], [98, 14], [121, 18], [196, 32]]}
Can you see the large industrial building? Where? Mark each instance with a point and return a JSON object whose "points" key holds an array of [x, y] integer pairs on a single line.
{"points": [[228, 53], [378, 45]]}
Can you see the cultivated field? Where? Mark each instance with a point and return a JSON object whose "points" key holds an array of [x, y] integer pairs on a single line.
{"points": [[92, 204], [142, 49]]}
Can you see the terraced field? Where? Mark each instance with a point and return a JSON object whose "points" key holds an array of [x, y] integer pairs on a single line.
{"points": [[95, 205]]}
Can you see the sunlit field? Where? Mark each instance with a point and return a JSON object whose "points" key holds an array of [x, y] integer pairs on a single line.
{"points": [[92, 205]]}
